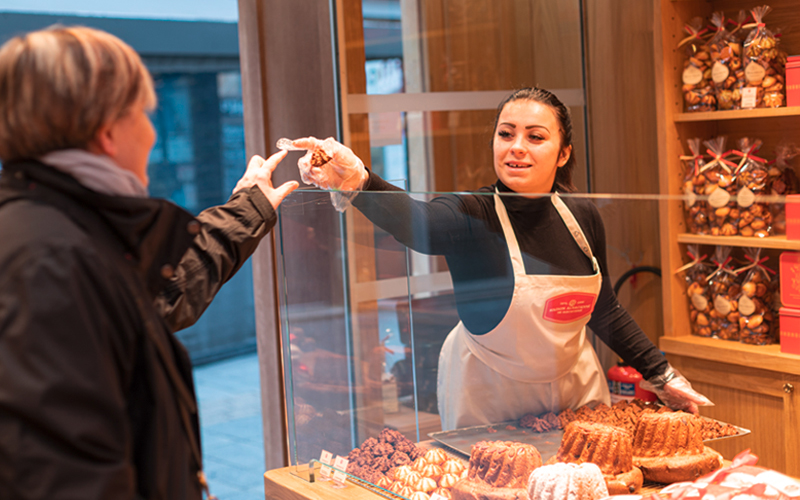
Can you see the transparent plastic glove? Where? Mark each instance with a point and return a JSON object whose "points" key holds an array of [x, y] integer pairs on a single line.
{"points": [[332, 166], [675, 391]]}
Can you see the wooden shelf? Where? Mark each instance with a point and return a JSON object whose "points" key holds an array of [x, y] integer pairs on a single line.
{"points": [[779, 242], [766, 357], [737, 114]]}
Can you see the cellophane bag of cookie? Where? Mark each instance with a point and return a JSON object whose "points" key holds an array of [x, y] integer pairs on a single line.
{"points": [[752, 177], [695, 207], [727, 73], [698, 91], [695, 274], [764, 76], [720, 188], [756, 302], [783, 181], [723, 290]]}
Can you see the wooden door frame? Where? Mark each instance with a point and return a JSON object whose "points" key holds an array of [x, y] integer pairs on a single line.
{"points": [[288, 90]]}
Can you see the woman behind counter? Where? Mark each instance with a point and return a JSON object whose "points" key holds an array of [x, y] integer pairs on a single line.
{"points": [[96, 393], [514, 261]]}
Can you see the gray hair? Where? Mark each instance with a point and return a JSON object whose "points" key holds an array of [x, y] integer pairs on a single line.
{"points": [[59, 85]]}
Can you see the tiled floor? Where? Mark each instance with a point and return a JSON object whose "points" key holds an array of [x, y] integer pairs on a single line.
{"points": [[230, 419]]}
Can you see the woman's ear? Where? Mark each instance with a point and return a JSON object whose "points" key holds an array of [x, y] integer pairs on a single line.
{"points": [[563, 157], [103, 142]]}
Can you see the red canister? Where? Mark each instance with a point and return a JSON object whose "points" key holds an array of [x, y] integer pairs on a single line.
{"points": [[793, 81], [623, 384]]}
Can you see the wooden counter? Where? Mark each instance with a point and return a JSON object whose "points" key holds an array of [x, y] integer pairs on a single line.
{"points": [[286, 484]]}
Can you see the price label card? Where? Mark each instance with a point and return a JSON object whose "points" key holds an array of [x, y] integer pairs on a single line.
{"points": [[436, 496], [326, 458], [749, 97], [341, 465]]}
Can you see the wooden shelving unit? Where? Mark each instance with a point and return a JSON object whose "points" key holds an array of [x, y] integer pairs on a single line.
{"points": [[776, 242], [737, 114], [768, 357], [756, 387]]}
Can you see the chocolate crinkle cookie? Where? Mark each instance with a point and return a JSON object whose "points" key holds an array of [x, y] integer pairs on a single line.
{"points": [[400, 458], [377, 456], [319, 158]]}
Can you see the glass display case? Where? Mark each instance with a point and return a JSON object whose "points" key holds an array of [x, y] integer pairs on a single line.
{"points": [[364, 317]]}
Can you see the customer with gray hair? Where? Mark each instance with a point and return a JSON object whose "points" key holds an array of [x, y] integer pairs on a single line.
{"points": [[96, 393]]}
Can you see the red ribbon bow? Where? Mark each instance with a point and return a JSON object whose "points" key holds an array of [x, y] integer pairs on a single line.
{"points": [[720, 158], [759, 263]]}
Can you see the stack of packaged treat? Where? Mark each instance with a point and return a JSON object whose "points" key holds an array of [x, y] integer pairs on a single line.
{"points": [[752, 176], [764, 65], [732, 304], [698, 92], [695, 205], [723, 198], [739, 66], [695, 275], [783, 181], [756, 300], [723, 290], [727, 73], [720, 179]]}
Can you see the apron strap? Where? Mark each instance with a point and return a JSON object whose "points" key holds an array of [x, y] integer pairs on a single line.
{"points": [[563, 211], [574, 228], [511, 238]]}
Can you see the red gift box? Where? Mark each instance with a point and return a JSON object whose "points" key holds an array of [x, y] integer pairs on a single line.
{"points": [[793, 81], [790, 279], [793, 217], [790, 330]]}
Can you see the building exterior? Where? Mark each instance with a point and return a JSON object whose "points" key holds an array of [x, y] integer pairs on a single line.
{"points": [[199, 154]]}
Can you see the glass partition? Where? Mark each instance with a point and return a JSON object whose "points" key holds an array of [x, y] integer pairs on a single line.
{"points": [[364, 330]]}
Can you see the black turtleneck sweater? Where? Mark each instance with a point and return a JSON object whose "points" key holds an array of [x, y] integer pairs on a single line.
{"points": [[466, 230]]}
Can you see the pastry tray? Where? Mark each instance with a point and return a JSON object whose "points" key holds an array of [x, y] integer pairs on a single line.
{"points": [[461, 440]]}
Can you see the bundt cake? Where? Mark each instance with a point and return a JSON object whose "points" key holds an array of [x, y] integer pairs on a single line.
{"points": [[498, 470], [668, 447], [566, 481], [606, 446]]}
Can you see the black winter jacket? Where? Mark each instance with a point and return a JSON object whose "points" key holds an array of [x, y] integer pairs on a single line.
{"points": [[96, 393]]}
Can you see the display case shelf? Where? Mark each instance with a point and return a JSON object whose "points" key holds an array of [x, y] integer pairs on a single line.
{"points": [[737, 114], [776, 242]]}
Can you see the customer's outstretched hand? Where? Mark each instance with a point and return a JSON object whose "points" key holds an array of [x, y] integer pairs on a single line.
{"points": [[259, 173]]}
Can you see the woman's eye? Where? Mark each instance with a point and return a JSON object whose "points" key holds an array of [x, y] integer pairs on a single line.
{"points": [[536, 137], [504, 134]]}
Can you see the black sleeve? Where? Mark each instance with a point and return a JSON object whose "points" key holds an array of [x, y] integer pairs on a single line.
{"points": [[64, 368], [434, 227], [612, 323], [229, 234]]}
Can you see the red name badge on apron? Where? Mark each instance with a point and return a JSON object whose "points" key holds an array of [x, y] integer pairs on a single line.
{"points": [[569, 307]]}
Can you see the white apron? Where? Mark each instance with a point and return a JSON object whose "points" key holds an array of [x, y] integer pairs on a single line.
{"points": [[538, 358]]}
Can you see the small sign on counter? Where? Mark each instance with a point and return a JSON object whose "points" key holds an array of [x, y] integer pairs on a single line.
{"points": [[326, 459], [340, 465]]}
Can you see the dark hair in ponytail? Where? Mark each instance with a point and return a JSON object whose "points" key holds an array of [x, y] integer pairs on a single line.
{"points": [[542, 96]]}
